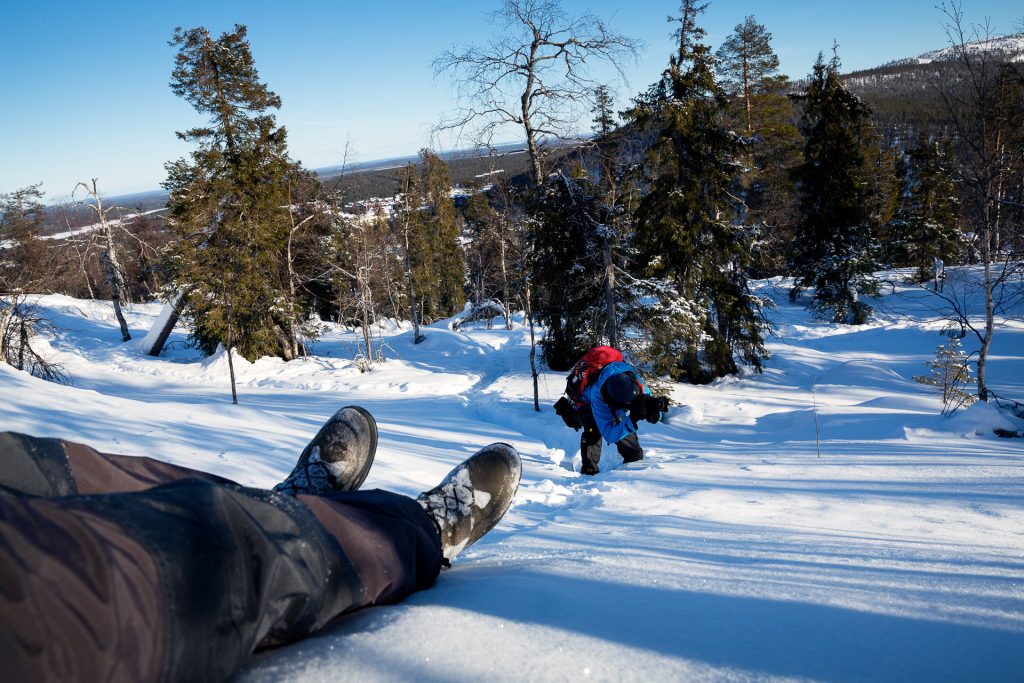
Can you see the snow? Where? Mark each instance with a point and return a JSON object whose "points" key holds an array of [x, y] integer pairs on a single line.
{"points": [[1010, 45], [93, 227], [819, 521]]}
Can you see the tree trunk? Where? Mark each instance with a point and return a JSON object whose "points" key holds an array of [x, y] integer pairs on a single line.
{"points": [[6, 315], [609, 294], [110, 264], [231, 363], [524, 101], [417, 337], [986, 341], [167, 320], [746, 93], [293, 323], [112, 268], [504, 282], [534, 150], [533, 350], [367, 335], [82, 258], [114, 282]]}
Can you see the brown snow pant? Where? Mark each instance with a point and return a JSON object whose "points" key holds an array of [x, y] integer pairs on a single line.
{"points": [[114, 568], [590, 444]]}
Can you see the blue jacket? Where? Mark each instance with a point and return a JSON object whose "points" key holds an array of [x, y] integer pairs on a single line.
{"points": [[614, 424]]}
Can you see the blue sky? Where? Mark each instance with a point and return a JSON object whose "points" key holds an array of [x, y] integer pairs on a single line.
{"points": [[86, 84]]}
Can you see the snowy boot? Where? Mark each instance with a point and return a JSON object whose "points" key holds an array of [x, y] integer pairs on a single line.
{"points": [[473, 497], [338, 458]]}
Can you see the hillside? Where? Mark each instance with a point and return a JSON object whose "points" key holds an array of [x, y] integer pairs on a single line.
{"points": [[818, 521], [905, 95]]}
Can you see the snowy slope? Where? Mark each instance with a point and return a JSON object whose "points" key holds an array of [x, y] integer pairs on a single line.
{"points": [[1011, 46], [734, 552]]}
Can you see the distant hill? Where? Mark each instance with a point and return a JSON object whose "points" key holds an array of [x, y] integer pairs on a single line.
{"points": [[358, 182], [1011, 46], [903, 94]]}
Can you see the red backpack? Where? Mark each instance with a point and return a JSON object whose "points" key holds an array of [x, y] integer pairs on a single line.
{"points": [[590, 365]]}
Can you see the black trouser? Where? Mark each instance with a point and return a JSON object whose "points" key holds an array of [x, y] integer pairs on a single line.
{"points": [[166, 573], [590, 444]]}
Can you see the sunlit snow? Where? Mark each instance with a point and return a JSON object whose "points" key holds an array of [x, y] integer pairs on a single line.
{"points": [[818, 521]]}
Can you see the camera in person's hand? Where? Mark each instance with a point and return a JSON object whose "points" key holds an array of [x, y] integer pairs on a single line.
{"points": [[567, 412]]}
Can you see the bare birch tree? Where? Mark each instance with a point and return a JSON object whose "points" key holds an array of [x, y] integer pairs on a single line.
{"points": [[111, 264], [534, 74], [986, 109]]}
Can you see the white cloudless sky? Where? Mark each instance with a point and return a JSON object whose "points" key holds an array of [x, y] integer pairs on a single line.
{"points": [[85, 85]]}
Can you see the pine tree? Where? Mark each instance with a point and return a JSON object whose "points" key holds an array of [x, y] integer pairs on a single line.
{"points": [[604, 115], [23, 254], [684, 232], [747, 67], [231, 202], [758, 105], [926, 226], [834, 250], [24, 268]]}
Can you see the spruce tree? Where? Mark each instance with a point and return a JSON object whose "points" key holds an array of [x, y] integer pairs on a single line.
{"points": [[231, 201], [684, 232], [427, 226], [835, 251], [571, 237], [408, 225], [604, 115], [926, 226], [486, 251], [447, 276]]}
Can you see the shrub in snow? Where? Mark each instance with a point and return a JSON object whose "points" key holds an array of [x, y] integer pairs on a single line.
{"points": [[951, 371], [20, 322]]}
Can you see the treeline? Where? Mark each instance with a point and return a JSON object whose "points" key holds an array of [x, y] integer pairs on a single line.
{"points": [[646, 238]]}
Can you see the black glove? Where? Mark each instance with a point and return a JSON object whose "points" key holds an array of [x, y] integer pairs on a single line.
{"points": [[638, 409], [567, 412], [656, 408]]}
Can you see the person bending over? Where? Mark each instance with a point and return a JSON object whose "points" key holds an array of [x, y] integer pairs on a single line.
{"points": [[606, 397]]}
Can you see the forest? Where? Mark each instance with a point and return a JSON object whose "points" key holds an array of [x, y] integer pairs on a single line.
{"points": [[643, 233]]}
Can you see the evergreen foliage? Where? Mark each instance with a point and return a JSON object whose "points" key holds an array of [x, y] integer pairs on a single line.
{"points": [[835, 249], [24, 262], [443, 276], [486, 237], [569, 235], [231, 202], [429, 229], [747, 67], [757, 104], [684, 231], [926, 226], [604, 115], [23, 255], [950, 370]]}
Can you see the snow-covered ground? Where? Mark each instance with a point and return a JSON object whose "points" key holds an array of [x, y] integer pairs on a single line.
{"points": [[818, 521]]}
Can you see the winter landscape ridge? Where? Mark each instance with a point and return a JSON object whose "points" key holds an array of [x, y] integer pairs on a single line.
{"points": [[820, 521]]}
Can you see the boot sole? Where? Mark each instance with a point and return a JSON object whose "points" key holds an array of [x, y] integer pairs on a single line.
{"points": [[365, 470]]}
